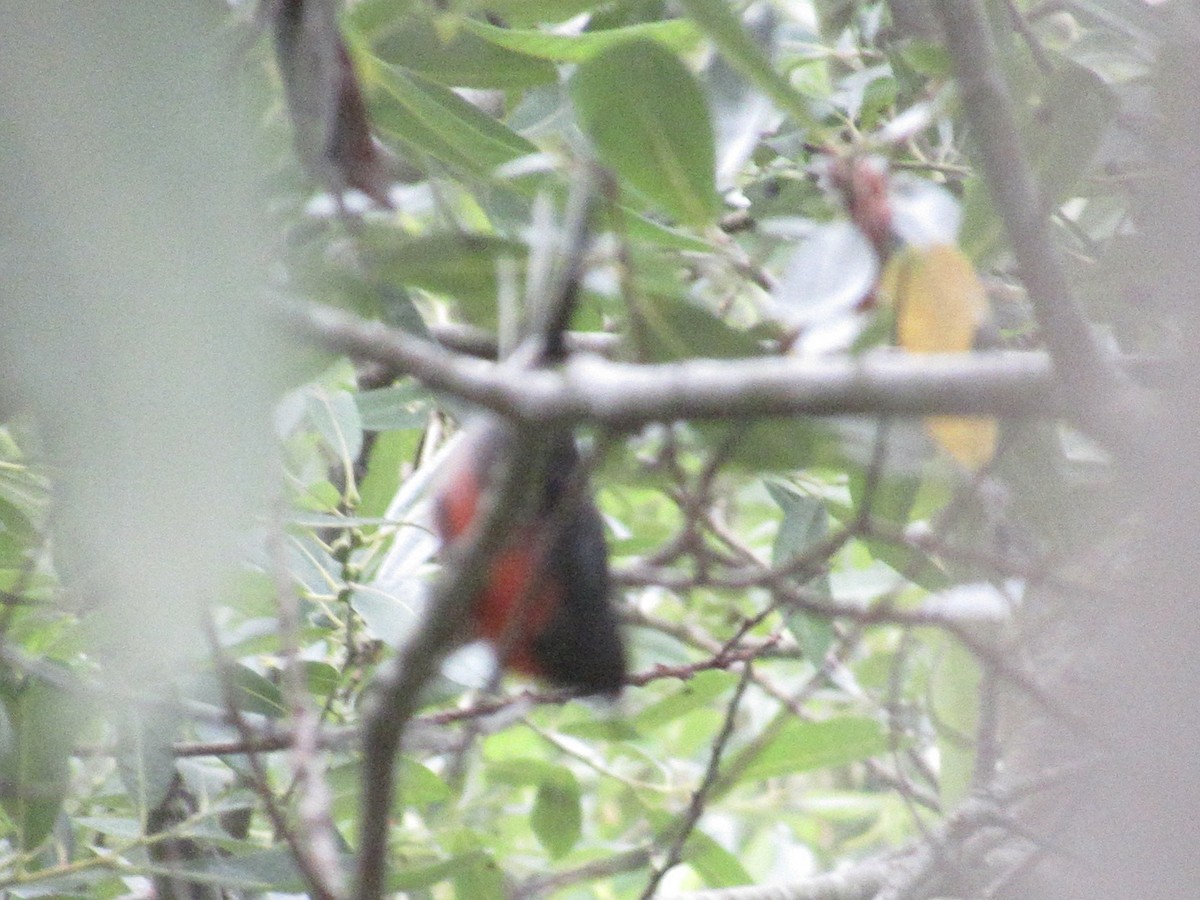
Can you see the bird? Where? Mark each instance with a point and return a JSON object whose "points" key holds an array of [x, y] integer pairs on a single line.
{"points": [[545, 605]]}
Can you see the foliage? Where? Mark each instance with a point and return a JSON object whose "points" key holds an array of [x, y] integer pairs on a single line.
{"points": [[819, 610]]}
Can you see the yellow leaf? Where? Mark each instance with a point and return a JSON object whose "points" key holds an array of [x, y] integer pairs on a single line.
{"points": [[940, 305], [970, 440], [939, 300]]}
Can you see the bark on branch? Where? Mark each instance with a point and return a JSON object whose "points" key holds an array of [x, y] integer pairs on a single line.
{"points": [[599, 391]]}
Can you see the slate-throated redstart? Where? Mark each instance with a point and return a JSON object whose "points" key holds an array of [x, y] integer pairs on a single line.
{"points": [[545, 606]]}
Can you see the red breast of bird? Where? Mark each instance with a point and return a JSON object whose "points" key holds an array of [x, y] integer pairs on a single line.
{"points": [[545, 604]]}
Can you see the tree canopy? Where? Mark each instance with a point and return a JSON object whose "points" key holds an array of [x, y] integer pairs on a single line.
{"points": [[875, 322]]}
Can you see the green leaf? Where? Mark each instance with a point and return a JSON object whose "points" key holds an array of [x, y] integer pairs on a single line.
{"points": [[18, 534], [677, 35], [809, 746], [892, 501], [1061, 139], [517, 770], [649, 121], [461, 266], [389, 619], [459, 56], [771, 445], [418, 785], [320, 678], [717, 866], [698, 693], [259, 870], [673, 329], [955, 695], [1077, 109], [413, 876], [434, 122], [256, 694], [144, 756], [641, 229], [481, 878], [805, 524], [388, 454], [42, 726], [391, 408], [557, 818], [335, 416]]}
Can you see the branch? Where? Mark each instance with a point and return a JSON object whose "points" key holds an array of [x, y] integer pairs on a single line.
{"points": [[975, 842], [682, 830], [860, 882], [320, 882], [627, 395], [398, 687], [1092, 380]]}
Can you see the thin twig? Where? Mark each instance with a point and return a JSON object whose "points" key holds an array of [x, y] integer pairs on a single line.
{"points": [[683, 829], [311, 870], [314, 799], [398, 687]]}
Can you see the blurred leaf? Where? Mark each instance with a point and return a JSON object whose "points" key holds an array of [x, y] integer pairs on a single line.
{"points": [[1060, 138], [805, 525], [257, 694], [649, 121], [461, 266], [557, 819], [671, 329], [397, 407], [335, 416], [771, 445], [417, 784], [642, 229], [43, 724], [258, 870], [460, 57], [390, 452], [955, 698], [388, 618], [145, 757], [927, 58], [412, 877], [807, 746], [320, 678], [677, 35], [698, 693], [254, 693], [18, 536], [434, 122], [805, 522], [717, 866], [480, 876]]}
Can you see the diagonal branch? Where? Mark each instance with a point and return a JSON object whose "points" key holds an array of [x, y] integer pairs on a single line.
{"points": [[1093, 382], [397, 692]]}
